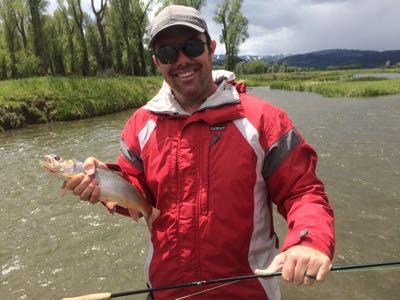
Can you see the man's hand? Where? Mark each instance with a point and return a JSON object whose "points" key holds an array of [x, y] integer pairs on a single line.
{"points": [[300, 265], [84, 185]]}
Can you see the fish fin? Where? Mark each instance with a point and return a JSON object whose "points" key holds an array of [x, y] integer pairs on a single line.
{"points": [[155, 213], [135, 214], [110, 205]]}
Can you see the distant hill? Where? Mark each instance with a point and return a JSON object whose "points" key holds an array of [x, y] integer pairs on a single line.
{"points": [[343, 58], [219, 59], [334, 58]]}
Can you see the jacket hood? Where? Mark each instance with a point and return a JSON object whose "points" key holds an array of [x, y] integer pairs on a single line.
{"points": [[164, 102]]}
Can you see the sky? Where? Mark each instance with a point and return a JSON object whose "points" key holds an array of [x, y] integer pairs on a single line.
{"points": [[301, 26]]}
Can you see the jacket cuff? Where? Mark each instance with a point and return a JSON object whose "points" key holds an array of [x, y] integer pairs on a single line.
{"points": [[305, 238]]}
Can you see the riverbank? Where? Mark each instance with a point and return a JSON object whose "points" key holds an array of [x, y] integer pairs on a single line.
{"points": [[335, 83], [47, 99]]}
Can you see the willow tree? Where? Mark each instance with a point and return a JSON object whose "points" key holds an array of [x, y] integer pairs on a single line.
{"points": [[193, 3], [69, 26], [104, 50], [20, 12], [10, 28], [234, 29], [36, 8], [125, 12], [55, 31], [140, 22], [76, 8], [116, 37]]}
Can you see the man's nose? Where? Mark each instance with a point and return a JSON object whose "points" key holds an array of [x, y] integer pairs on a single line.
{"points": [[182, 58]]}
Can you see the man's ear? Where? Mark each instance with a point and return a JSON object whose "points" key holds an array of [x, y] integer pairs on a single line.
{"points": [[155, 60], [213, 46]]}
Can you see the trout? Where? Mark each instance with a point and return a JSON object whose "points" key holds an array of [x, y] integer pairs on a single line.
{"points": [[114, 190]]}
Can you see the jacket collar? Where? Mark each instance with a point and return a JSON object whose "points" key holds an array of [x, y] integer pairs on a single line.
{"points": [[164, 102]]}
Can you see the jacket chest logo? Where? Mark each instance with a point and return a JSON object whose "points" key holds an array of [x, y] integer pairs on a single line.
{"points": [[218, 127]]}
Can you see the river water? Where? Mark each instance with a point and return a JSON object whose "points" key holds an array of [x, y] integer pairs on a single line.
{"points": [[53, 247]]}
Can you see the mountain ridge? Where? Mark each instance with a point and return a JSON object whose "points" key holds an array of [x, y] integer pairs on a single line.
{"points": [[329, 58]]}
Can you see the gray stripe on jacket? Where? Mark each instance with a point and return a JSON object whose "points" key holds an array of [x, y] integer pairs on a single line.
{"points": [[279, 151], [130, 156]]}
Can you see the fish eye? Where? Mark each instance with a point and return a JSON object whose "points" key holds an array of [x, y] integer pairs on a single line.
{"points": [[56, 157]]}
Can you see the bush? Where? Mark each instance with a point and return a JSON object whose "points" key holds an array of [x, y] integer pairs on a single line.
{"points": [[28, 64], [251, 67]]}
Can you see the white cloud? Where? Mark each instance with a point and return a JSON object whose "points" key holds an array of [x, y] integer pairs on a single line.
{"points": [[299, 26]]}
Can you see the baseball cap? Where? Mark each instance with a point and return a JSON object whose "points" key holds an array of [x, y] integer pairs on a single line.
{"points": [[173, 15]]}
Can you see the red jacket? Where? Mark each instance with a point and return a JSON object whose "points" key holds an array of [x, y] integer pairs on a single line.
{"points": [[214, 175]]}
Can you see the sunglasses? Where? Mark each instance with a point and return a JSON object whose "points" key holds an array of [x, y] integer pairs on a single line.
{"points": [[168, 54]]}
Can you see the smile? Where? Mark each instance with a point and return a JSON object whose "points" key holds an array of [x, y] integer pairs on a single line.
{"points": [[185, 74]]}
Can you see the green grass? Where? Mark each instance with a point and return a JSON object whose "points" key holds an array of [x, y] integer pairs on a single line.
{"points": [[46, 99], [329, 83]]}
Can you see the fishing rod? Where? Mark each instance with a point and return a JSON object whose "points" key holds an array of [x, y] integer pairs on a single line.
{"points": [[107, 296]]}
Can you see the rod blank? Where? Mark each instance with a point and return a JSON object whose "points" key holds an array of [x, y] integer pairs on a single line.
{"points": [[107, 296]]}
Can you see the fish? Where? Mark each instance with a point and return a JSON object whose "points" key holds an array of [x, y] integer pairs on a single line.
{"points": [[114, 189]]}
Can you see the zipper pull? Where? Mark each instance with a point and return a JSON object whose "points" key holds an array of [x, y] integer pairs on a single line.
{"points": [[214, 140]]}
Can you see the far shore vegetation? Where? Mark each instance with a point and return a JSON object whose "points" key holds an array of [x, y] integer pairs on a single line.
{"points": [[330, 83], [46, 99]]}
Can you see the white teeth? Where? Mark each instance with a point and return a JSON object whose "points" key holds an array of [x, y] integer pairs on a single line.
{"points": [[185, 74]]}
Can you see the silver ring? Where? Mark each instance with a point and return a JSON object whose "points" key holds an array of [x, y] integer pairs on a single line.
{"points": [[313, 277]]}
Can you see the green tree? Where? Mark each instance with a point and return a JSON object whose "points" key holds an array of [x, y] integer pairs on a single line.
{"points": [[10, 28], [123, 11], [276, 67], [20, 12], [140, 22], [242, 68], [27, 64], [234, 29], [116, 41], [257, 67], [69, 29], [104, 50], [284, 67], [76, 8], [36, 8], [54, 29], [198, 4]]}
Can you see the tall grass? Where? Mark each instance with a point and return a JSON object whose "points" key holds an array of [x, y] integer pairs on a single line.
{"points": [[46, 99], [329, 83]]}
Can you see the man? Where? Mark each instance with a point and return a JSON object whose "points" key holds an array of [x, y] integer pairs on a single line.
{"points": [[214, 160]]}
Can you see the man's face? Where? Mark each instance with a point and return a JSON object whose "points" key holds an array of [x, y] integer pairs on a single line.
{"points": [[189, 78]]}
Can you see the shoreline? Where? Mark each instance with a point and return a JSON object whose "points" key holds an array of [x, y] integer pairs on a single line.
{"points": [[48, 99], [41, 100]]}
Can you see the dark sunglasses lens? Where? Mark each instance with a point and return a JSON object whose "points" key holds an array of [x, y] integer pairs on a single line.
{"points": [[167, 54], [193, 48]]}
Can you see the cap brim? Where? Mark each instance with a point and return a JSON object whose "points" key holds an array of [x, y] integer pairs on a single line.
{"points": [[192, 26]]}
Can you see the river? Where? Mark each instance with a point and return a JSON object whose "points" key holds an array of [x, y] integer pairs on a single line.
{"points": [[53, 247]]}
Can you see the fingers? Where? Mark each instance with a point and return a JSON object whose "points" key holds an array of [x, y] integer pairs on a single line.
{"points": [[300, 265], [84, 186], [91, 164], [294, 268], [275, 266]]}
